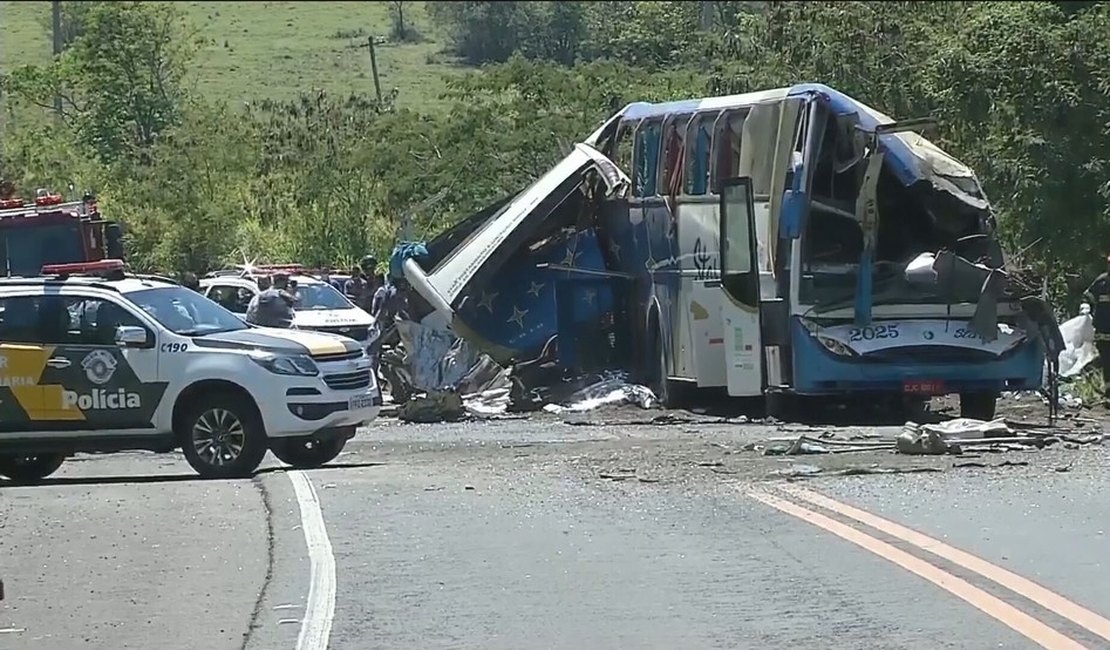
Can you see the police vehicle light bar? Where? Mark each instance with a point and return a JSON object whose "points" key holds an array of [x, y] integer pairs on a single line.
{"points": [[280, 267], [82, 267], [46, 197]]}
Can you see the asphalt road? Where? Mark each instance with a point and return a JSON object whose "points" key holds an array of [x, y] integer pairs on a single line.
{"points": [[537, 534]]}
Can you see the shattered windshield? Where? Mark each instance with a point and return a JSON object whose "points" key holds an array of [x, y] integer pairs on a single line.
{"points": [[829, 289]]}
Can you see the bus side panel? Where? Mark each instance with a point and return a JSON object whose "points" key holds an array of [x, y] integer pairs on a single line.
{"points": [[657, 243], [638, 242], [699, 336]]}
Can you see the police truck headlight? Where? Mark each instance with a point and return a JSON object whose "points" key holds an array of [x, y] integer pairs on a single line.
{"points": [[297, 365]]}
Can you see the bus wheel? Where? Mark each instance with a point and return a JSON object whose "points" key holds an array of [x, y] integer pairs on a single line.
{"points": [[657, 378], [978, 406], [777, 405]]}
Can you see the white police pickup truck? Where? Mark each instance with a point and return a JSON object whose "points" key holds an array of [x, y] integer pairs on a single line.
{"points": [[92, 360]]}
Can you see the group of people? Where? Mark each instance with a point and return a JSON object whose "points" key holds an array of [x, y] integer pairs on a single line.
{"points": [[275, 304]]}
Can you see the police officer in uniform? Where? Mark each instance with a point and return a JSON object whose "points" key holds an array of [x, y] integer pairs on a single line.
{"points": [[272, 307], [1098, 296]]}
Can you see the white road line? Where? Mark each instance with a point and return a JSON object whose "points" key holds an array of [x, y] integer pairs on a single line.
{"points": [[320, 609]]}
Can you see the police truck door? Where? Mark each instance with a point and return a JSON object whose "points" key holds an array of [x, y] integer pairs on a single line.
{"points": [[740, 283], [89, 381]]}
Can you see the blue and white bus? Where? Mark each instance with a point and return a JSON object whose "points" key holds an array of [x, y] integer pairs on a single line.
{"points": [[731, 233]]}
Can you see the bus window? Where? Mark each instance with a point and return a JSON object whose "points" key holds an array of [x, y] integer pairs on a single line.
{"points": [[622, 147], [760, 136], [670, 177], [726, 145], [697, 154], [646, 158]]}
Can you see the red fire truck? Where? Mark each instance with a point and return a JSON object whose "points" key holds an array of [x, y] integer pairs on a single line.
{"points": [[49, 230]]}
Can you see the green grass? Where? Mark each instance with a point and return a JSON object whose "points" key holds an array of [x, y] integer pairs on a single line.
{"points": [[254, 50]]}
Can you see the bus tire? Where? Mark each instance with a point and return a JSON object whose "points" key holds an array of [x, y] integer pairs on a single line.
{"points": [[657, 373], [978, 406], [777, 405]]}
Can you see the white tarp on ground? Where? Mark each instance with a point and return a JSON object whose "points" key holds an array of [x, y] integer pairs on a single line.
{"points": [[613, 388], [1079, 340]]}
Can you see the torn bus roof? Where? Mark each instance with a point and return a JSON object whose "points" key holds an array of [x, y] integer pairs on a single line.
{"points": [[911, 157], [497, 286]]}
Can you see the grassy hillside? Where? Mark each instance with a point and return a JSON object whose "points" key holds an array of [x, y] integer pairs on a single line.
{"points": [[275, 49]]}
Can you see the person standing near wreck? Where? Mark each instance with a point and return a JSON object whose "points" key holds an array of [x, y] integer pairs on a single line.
{"points": [[355, 287], [1098, 297], [273, 307], [389, 302]]}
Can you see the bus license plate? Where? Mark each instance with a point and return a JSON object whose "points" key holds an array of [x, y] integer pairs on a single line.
{"points": [[923, 387], [361, 402]]}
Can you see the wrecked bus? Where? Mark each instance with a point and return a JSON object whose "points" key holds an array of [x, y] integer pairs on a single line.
{"points": [[786, 242]]}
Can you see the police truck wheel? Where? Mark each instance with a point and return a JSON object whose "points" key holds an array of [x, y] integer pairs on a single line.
{"points": [[978, 406], [28, 469], [223, 437], [304, 453]]}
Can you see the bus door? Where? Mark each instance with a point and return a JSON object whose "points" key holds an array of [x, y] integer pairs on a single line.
{"points": [[740, 285]]}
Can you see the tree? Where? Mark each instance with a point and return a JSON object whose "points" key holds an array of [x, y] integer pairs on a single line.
{"points": [[487, 32], [401, 30], [652, 34], [121, 79], [74, 16]]}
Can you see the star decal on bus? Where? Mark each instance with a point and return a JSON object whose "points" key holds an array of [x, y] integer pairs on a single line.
{"points": [[590, 295], [518, 316], [487, 301], [615, 249], [568, 260], [535, 289]]}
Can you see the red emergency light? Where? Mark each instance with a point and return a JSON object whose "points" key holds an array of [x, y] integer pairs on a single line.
{"points": [[48, 199], [290, 268], [83, 267]]}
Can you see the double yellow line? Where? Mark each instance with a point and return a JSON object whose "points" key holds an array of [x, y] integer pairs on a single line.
{"points": [[1005, 613]]}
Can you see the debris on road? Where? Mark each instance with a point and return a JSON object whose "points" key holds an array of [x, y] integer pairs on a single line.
{"points": [[611, 388], [431, 363], [435, 406], [952, 437]]}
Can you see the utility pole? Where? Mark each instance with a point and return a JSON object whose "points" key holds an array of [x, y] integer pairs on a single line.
{"points": [[374, 68], [57, 7]]}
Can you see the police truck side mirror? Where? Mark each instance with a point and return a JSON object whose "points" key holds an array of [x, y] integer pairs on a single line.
{"points": [[129, 336]]}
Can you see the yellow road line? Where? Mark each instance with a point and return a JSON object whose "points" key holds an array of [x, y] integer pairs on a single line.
{"points": [[1005, 613], [1050, 600]]}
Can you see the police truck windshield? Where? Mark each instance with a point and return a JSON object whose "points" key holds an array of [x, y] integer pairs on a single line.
{"points": [[186, 312], [320, 297]]}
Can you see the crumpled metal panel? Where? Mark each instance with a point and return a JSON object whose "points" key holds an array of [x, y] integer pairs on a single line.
{"points": [[911, 157]]}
